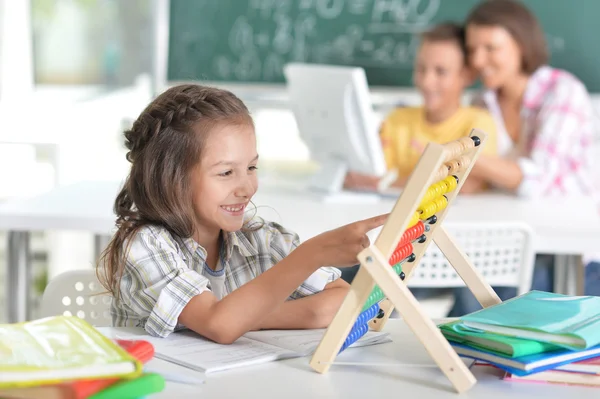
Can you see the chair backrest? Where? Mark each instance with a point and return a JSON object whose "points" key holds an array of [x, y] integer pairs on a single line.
{"points": [[77, 293], [502, 252]]}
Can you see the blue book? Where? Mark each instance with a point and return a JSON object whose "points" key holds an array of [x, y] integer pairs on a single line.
{"points": [[529, 364], [568, 321]]}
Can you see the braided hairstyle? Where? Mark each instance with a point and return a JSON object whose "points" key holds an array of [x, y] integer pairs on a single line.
{"points": [[165, 143]]}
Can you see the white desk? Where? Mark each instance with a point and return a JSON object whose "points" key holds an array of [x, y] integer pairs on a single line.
{"points": [[562, 226], [394, 378]]}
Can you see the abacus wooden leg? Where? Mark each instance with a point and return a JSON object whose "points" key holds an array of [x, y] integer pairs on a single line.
{"points": [[465, 269], [421, 325], [340, 327], [378, 324]]}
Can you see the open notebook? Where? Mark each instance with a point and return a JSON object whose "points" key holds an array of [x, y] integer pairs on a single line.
{"points": [[190, 350]]}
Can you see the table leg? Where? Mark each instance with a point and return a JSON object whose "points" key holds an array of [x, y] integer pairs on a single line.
{"points": [[569, 274], [579, 275], [100, 243], [19, 277], [560, 273]]}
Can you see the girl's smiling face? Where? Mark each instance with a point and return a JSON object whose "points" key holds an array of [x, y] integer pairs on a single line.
{"points": [[224, 180]]}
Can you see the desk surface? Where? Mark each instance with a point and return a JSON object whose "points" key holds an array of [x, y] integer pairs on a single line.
{"points": [[565, 225], [387, 370], [562, 225]]}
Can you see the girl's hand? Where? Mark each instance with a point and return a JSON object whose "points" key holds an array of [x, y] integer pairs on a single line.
{"points": [[341, 246]]}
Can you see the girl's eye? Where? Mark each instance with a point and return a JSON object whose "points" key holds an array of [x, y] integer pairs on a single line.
{"points": [[253, 168], [225, 174]]}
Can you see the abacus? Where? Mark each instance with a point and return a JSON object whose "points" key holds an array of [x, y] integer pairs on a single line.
{"points": [[386, 266]]}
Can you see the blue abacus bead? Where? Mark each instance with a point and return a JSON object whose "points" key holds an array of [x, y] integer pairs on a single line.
{"points": [[372, 312], [367, 315], [354, 336]]}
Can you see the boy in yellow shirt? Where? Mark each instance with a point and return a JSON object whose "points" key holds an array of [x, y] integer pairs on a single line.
{"points": [[440, 74]]}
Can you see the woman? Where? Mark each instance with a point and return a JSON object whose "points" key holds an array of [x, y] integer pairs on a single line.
{"points": [[544, 116]]}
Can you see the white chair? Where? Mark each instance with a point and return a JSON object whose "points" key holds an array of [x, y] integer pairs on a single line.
{"points": [[502, 252], [78, 293]]}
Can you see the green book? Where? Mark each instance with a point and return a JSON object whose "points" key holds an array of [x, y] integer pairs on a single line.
{"points": [[499, 344], [572, 322], [146, 384]]}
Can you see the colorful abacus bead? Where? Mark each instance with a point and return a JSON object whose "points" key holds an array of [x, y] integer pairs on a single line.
{"points": [[414, 219], [377, 294], [401, 253], [453, 166], [367, 315], [431, 220], [428, 210], [355, 335], [451, 182], [464, 162], [441, 173], [466, 143], [411, 234]]}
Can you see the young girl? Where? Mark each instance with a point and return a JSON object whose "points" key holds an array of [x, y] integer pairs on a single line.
{"points": [[183, 255]]}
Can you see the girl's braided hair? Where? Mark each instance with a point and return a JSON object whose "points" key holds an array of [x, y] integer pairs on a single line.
{"points": [[165, 143]]}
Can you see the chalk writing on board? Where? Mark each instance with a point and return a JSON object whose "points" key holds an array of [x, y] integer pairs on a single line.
{"points": [[290, 32]]}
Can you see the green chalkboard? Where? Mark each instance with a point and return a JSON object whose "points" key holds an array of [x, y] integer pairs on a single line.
{"points": [[250, 40]]}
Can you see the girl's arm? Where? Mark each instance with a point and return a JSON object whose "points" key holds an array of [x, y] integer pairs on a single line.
{"points": [[314, 311], [226, 320]]}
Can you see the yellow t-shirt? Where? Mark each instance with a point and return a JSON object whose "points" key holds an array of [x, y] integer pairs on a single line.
{"points": [[405, 133]]}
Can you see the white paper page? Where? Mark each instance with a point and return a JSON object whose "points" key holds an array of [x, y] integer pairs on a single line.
{"points": [[305, 342], [190, 350]]}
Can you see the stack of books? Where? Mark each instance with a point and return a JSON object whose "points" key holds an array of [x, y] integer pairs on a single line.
{"points": [[66, 358], [538, 336]]}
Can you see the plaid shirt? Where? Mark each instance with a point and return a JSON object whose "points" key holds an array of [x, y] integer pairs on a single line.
{"points": [[164, 272], [555, 151]]}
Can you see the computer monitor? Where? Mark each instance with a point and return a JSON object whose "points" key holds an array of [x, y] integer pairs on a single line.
{"points": [[332, 107]]}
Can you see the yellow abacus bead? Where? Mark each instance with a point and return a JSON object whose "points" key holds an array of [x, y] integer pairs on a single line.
{"points": [[414, 219], [429, 195], [435, 191], [441, 203], [451, 182], [428, 210], [444, 185]]}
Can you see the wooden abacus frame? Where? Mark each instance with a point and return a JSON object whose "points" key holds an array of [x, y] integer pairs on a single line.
{"points": [[375, 268]]}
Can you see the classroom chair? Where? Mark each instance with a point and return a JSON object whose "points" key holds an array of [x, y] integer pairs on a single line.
{"points": [[78, 293], [502, 252]]}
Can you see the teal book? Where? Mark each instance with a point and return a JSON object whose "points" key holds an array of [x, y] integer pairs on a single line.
{"points": [[500, 344], [569, 321]]}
